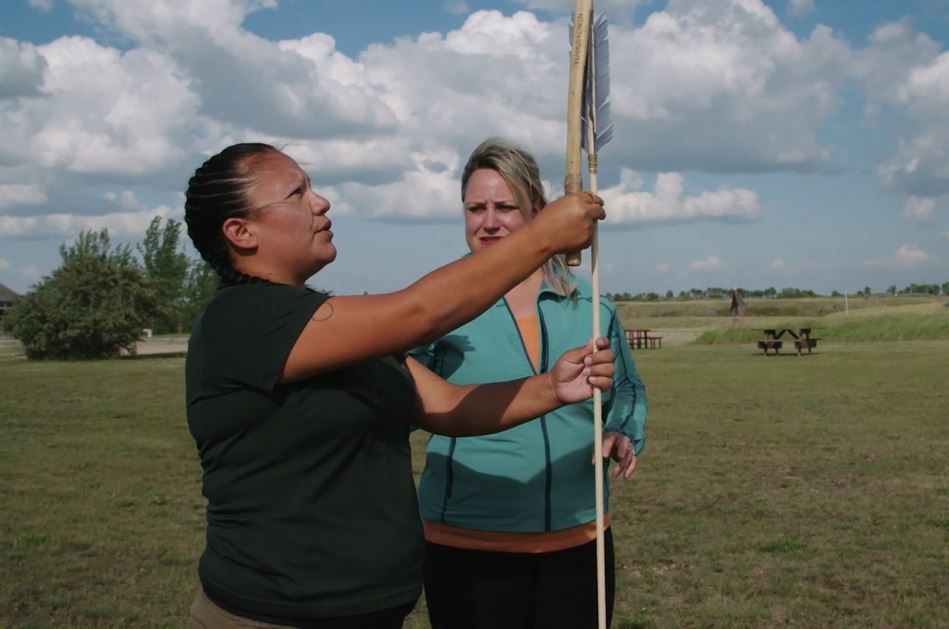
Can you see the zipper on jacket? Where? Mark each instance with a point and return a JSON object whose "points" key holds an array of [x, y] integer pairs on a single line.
{"points": [[438, 363], [527, 354], [545, 357], [449, 476], [544, 360]]}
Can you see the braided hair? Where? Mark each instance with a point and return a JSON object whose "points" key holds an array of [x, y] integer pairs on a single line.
{"points": [[216, 192]]}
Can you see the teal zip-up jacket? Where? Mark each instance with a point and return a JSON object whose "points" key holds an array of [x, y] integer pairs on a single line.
{"points": [[538, 476]]}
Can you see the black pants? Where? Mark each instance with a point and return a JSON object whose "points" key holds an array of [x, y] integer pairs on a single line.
{"points": [[475, 589]]}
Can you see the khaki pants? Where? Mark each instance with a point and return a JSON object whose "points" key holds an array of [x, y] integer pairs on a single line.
{"points": [[206, 615]]}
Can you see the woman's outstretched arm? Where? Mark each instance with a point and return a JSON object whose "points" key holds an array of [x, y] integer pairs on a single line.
{"points": [[346, 330], [466, 410]]}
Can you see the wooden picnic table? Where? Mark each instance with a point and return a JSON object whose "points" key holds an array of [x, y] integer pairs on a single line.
{"points": [[802, 339], [639, 338]]}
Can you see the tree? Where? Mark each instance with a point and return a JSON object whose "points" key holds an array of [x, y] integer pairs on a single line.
{"points": [[199, 287], [893, 290], [166, 267], [94, 305]]}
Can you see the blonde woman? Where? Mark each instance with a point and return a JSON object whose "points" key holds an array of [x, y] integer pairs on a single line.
{"points": [[509, 518]]}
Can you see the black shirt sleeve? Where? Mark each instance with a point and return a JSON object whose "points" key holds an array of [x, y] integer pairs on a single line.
{"points": [[246, 334]]}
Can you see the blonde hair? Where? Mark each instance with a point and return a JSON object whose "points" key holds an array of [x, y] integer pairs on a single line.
{"points": [[520, 172]]}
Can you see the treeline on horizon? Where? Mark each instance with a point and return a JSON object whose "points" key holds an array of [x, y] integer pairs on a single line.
{"points": [[717, 292]]}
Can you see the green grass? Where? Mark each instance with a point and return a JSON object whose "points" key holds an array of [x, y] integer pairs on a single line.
{"points": [[806, 492], [870, 328]]}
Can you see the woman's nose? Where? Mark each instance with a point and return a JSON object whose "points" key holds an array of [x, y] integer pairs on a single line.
{"points": [[491, 218], [318, 204]]}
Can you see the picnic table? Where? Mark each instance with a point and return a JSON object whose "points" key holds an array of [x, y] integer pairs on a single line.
{"points": [[639, 338], [800, 337]]}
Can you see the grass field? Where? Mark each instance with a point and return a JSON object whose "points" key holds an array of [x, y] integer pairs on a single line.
{"points": [[781, 491]]}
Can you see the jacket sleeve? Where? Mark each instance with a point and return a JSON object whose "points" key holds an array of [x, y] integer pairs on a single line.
{"points": [[627, 411]]}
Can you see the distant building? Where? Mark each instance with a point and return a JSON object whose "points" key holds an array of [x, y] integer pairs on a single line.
{"points": [[7, 297]]}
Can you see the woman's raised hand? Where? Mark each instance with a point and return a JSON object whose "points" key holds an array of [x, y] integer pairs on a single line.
{"points": [[578, 370], [568, 222]]}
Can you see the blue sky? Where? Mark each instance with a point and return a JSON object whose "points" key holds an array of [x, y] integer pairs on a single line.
{"points": [[785, 143]]}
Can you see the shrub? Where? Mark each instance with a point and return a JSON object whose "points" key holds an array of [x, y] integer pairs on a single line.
{"points": [[94, 305]]}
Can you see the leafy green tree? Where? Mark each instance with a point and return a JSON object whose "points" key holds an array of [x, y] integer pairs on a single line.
{"points": [[200, 286], [94, 305], [166, 267]]}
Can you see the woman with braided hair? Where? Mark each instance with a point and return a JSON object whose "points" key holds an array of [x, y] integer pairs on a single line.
{"points": [[301, 403]]}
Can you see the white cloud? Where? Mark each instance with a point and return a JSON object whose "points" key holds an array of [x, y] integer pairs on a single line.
{"points": [[31, 272], [702, 75], [68, 225], [13, 194], [293, 88], [943, 237], [42, 5], [710, 263], [101, 116], [4, 265], [696, 77], [906, 257], [927, 86], [146, 20], [604, 6], [798, 8], [125, 200], [458, 7], [21, 69], [907, 76], [778, 264], [921, 209], [627, 205], [663, 267], [422, 194]]}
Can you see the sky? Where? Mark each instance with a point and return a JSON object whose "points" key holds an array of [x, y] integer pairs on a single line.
{"points": [[784, 143]]}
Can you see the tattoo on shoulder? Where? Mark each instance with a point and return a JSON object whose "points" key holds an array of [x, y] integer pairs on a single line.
{"points": [[323, 313]]}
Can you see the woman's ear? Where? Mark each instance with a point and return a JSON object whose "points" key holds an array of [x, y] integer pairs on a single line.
{"points": [[538, 206], [238, 234]]}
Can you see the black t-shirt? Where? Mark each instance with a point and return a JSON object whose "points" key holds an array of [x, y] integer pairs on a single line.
{"points": [[311, 504]]}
